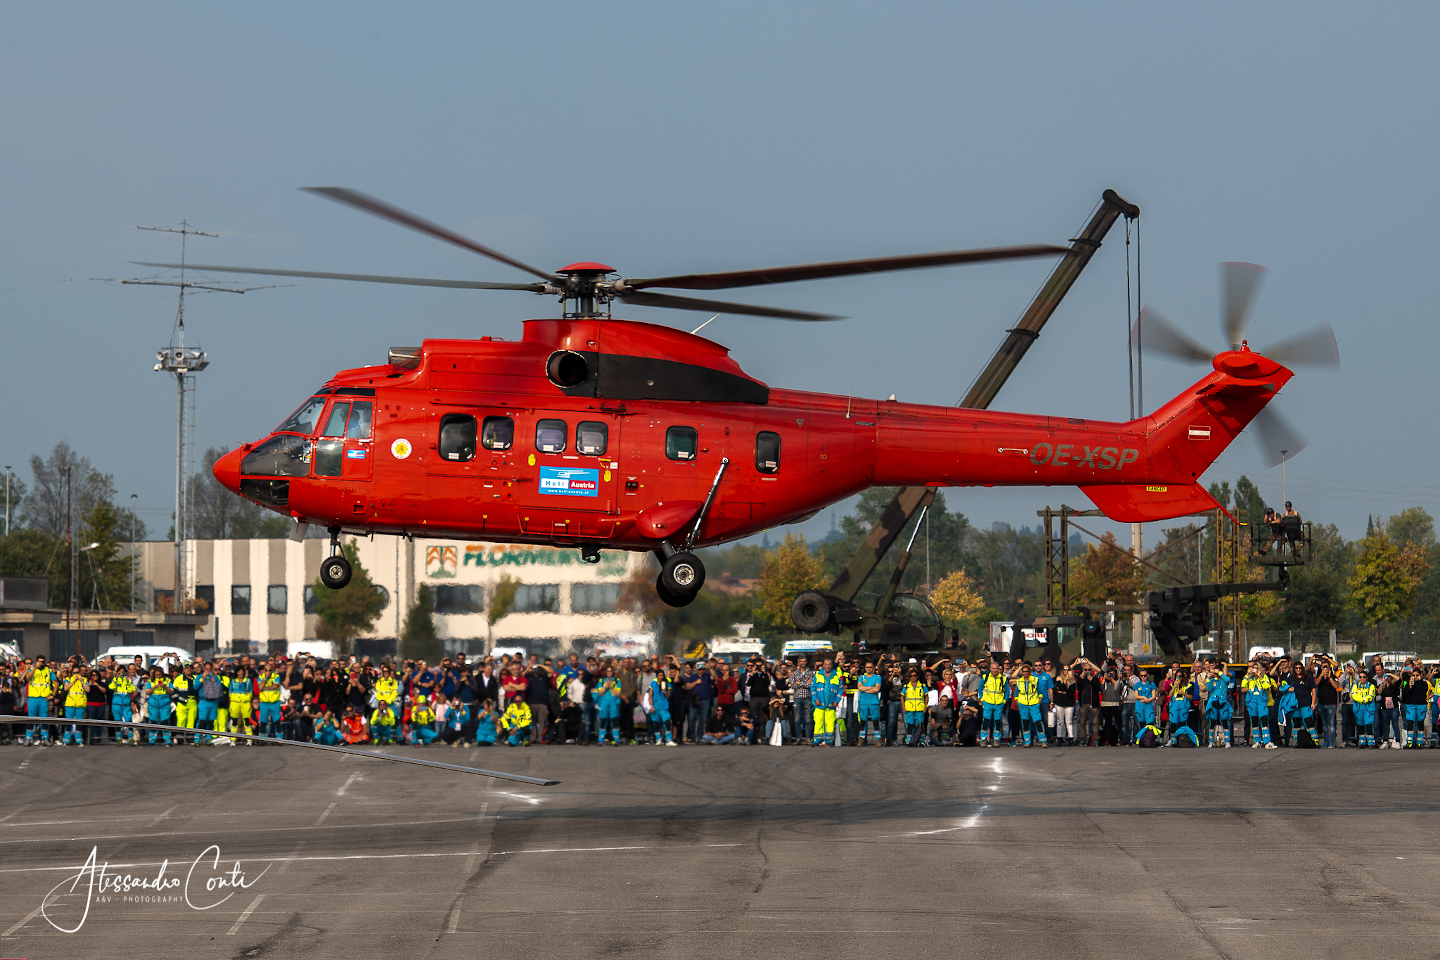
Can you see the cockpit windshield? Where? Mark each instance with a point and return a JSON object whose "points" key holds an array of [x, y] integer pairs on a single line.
{"points": [[303, 420]]}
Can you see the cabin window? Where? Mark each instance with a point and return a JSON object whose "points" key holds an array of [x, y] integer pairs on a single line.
{"points": [[457, 437], [335, 423], [767, 452], [360, 416], [592, 438], [303, 420], [550, 436], [498, 433], [329, 455], [681, 443]]}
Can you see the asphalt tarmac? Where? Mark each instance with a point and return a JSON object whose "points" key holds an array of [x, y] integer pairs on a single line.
{"points": [[697, 852]]}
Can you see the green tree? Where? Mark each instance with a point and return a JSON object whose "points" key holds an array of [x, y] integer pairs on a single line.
{"points": [[789, 571], [219, 514], [418, 640], [45, 504], [1106, 573], [502, 599], [1318, 595], [351, 610], [33, 553], [1385, 580], [105, 577]]}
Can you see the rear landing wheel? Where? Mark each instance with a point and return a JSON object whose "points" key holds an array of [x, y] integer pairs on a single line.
{"points": [[335, 572], [672, 599]]}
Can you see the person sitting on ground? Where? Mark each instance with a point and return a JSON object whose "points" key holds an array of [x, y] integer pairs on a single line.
{"points": [[942, 721], [423, 730], [384, 725], [485, 726], [352, 727], [516, 722]]}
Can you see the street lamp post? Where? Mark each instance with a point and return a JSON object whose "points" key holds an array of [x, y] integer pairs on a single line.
{"points": [[133, 549], [7, 499]]}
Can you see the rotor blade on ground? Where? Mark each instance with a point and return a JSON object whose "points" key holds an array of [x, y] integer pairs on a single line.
{"points": [[367, 277], [1316, 346], [348, 751], [373, 205], [640, 299], [1239, 281], [843, 268], [1278, 438], [1154, 332]]}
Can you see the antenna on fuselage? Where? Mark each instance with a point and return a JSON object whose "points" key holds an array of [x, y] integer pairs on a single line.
{"points": [[702, 326]]}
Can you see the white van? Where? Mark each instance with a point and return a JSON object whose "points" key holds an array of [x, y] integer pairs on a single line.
{"points": [[147, 654], [794, 648]]}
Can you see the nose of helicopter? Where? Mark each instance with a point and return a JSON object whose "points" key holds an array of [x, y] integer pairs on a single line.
{"points": [[227, 470]]}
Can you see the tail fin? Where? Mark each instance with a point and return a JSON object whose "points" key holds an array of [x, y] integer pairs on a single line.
{"points": [[1187, 434]]}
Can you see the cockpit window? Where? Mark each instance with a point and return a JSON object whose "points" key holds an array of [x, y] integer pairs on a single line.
{"points": [[359, 428], [282, 456], [303, 420], [335, 423]]}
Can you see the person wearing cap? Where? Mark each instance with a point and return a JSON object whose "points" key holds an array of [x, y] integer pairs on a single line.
{"points": [[384, 724], [423, 730]]}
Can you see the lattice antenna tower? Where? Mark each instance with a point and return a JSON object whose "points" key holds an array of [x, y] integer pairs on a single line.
{"points": [[182, 363]]}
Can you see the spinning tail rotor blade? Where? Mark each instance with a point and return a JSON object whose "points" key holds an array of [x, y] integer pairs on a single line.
{"points": [[1278, 438], [1316, 346], [645, 299], [1239, 281], [1154, 332], [379, 208]]}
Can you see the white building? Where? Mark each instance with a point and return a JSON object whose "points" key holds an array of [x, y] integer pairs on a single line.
{"points": [[260, 593]]}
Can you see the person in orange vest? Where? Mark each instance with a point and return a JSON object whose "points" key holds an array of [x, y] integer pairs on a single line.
{"points": [[352, 727]]}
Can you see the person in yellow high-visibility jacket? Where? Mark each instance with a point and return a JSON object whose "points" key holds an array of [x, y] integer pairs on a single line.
{"points": [[994, 695], [76, 685], [157, 704], [913, 699], [184, 691], [242, 692], [517, 721], [826, 690], [39, 683], [1026, 687], [122, 702], [269, 688]]}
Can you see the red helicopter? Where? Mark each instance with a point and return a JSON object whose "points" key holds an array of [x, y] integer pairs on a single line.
{"points": [[598, 433]]}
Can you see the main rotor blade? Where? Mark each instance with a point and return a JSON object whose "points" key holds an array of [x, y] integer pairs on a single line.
{"points": [[372, 205], [640, 299], [1239, 281], [843, 268], [367, 277], [1316, 346], [1153, 332], [1278, 438]]}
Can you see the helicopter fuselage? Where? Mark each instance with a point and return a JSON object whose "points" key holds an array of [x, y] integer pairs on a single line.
{"points": [[596, 432]]}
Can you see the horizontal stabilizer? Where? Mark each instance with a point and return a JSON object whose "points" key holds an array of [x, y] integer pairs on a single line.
{"points": [[1141, 503]]}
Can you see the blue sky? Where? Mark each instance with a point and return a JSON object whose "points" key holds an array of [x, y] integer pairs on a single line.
{"points": [[672, 138]]}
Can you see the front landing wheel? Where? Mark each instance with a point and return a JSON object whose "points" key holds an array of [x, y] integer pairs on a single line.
{"points": [[335, 572]]}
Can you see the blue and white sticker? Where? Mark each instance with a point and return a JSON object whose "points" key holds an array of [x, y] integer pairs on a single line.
{"points": [[357, 454], [570, 481]]}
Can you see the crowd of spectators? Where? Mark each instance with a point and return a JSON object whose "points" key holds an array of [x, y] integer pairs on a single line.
{"points": [[838, 700]]}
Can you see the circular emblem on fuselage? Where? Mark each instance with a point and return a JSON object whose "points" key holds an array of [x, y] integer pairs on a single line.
{"points": [[400, 449]]}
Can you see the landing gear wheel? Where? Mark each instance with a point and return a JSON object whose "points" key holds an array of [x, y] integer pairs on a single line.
{"points": [[683, 574], [671, 599], [335, 572]]}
